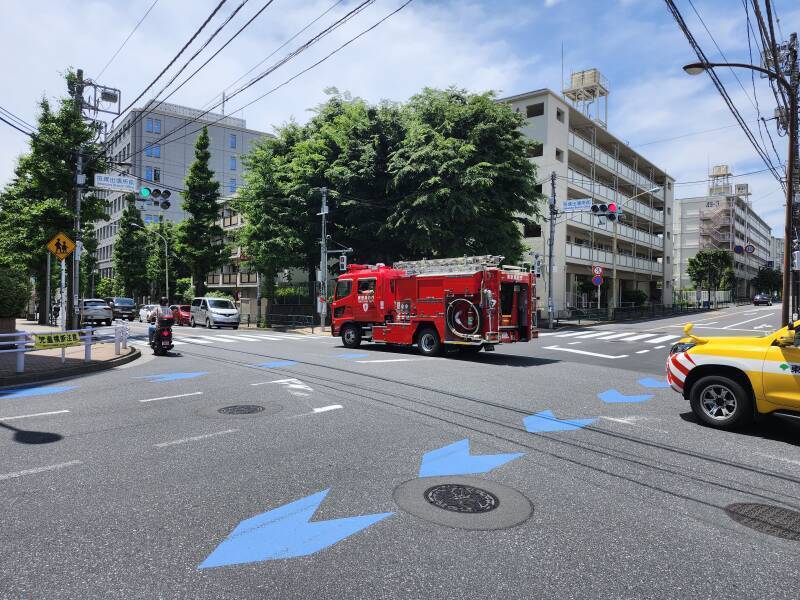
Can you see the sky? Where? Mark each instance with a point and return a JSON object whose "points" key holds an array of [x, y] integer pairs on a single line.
{"points": [[678, 122]]}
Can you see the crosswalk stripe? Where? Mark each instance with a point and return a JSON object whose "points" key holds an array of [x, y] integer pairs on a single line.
{"points": [[215, 338], [246, 338], [664, 338], [194, 340], [227, 338], [615, 335], [635, 338], [570, 334], [591, 335]]}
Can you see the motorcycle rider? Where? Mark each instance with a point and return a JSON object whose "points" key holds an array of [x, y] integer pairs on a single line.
{"points": [[161, 311]]}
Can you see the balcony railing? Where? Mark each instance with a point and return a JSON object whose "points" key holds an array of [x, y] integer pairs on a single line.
{"points": [[623, 231], [212, 279], [248, 277], [578, 179], [605, 257], [604, 158], [232, 279]]}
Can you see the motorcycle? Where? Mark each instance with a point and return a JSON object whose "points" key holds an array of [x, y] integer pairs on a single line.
{"points": [[161, 342]]}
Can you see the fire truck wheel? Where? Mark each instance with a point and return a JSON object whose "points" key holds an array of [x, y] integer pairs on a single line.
{"points": [[428, 342], [351, 336]]}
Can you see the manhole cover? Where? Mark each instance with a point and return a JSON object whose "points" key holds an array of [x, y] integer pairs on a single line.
{"points": [[772, 520], [241, 409], [461, 498]]}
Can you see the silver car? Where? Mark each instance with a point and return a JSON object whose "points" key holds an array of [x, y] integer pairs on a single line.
{"points": [[214, 312], [144, 311], [95, 310]]}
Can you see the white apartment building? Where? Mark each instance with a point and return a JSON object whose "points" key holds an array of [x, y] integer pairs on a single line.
{"points": [[163, 164], [590, 162], [776, 253], [722, 219]]}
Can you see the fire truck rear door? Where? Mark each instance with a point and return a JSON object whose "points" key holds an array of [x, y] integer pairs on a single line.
{"points": [[366, 309]]}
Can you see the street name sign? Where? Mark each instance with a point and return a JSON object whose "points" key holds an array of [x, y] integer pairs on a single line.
{"points": [[106, 181], [61, 246], [576, 205]]}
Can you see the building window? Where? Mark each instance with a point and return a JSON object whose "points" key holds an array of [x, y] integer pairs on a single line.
{"points": [[535, 150], [534, 110], [157, 151], [148, 126], [559, 155], [232, 140], [232, 185], [148, 173], [156, 174], [148, 150], [233, 163], [532, 230], [669, 210], [560, 115], [156, 125]]}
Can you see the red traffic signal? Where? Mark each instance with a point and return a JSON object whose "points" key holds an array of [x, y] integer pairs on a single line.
{"points": [[612, 208]]}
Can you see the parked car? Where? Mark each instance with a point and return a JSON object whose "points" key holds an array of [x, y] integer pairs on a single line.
{"points": [[214, 312], [95, 310], [762, 299], [144, 311], [123, 308], [182, 313]]}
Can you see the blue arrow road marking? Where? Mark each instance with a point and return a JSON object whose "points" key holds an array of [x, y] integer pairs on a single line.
{"points": [[615, 397], [455, 459], [650, 382], [546, 421], [173, 376], [353, 356], [286, 533], [277, 363], [24, 392]]}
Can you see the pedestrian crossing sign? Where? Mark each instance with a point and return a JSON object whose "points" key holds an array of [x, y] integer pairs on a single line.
{"points": [[61, 245]]}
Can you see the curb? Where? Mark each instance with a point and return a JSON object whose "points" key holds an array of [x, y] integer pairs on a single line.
{"points": [[16, 380]]}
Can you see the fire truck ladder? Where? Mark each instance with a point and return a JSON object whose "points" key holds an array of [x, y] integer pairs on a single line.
{"points": [[463, 264]]}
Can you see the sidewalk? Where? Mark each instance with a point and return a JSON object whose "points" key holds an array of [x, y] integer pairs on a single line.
{"points": [[42, 365]]}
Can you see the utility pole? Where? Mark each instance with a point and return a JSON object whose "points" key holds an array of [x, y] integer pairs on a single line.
{"points": [[550, 265], [323, 260], [791, 168], [80, 180]]}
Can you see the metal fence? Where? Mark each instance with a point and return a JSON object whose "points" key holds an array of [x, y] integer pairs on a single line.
{"points": [[623, 313], [23, 341]]}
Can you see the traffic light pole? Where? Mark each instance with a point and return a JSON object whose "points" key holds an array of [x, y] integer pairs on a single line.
{"points": [[323, 260], [550, 250], [72, 301]]}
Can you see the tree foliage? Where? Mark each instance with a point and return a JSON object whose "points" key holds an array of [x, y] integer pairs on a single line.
{"points": [[155, 264], [130, 253], [768, 280], [707, 268], [15, 290], [199, 238]]}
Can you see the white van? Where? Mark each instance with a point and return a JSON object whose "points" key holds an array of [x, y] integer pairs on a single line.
{"points": [[214, 312]]}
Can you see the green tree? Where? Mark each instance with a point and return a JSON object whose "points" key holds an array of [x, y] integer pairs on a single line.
{"points": [[155, 264], [104, 287], [768, 281], [199, 238], [131, 253], [88, 260], [184, 290], [39, 202], [708, 267], [15, 291]]}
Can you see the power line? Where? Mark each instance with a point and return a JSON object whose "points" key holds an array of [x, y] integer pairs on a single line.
{"points": [[110, 60], [685, 135], [732, 176], [9, 123], [20, 121]]}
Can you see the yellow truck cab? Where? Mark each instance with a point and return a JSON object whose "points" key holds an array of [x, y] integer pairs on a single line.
{"points": [[729, 380]]}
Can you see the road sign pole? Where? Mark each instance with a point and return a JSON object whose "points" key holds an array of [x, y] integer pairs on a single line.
{"points": [[62, 314], [598, 297]]}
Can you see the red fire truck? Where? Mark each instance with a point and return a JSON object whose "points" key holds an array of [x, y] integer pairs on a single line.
{"points": [[468, 303]]}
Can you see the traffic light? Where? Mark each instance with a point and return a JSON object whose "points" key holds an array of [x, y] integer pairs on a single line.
{"points": [[611, 211], [343, 262], [157, 195], [165, 203]]}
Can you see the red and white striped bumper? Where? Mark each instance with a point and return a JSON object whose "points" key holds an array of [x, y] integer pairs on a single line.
{"points": [[678, 367]]}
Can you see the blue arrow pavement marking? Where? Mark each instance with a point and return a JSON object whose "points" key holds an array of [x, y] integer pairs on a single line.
{"points": [[286, 532], [277, 363], [650, 382], [546, 421], [615, 397], [353, 356], [455, 459], [173, 376], [24, 392]]}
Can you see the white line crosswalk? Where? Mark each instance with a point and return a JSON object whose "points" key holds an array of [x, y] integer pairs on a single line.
{"points": [[182, 339], [625, 336]]}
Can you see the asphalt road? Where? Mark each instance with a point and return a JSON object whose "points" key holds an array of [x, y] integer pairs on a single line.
{"points": [[132, 484]]}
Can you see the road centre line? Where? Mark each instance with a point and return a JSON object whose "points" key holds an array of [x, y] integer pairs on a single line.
{"points": [[576, 351], [194, 438], [748, 321], [170, 397], [55, 467], [642, 351], [327, 408], [43, 414], [659, 347]]}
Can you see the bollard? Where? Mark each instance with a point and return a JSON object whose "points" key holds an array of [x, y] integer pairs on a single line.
{"points": [[125, 337], [117, 337], [87, 343], [21, 353]]}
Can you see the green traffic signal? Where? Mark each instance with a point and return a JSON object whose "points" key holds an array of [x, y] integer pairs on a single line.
{"points": [[144, 192]]}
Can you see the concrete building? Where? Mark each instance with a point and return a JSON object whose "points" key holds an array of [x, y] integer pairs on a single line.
{"points": [[776, 253], [722, 219], [590, 162], [135, 143]]}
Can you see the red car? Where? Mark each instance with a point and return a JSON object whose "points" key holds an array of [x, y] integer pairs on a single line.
{"points": [[181, 313]]}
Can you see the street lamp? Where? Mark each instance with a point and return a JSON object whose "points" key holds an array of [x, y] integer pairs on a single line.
{"points": [[166, 257], [791, 88]]}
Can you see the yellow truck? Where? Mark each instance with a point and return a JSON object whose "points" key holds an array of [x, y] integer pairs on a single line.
{"points": [[730, 380]]}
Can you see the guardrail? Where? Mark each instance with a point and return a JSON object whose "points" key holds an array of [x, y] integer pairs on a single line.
{"points": [[290, 320], [24, 341]]}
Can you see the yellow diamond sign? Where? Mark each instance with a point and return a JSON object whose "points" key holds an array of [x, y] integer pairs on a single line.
{"points": [[61, 246]]}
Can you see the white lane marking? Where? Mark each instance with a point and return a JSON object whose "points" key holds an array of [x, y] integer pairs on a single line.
{"points": [[194, 438], [570, 334], [327, 408], [708, 322], [642, 351], [632, 422], [659, 347], [170, 397], [177, 343], [576, 351], [546, 333], [272, 338], [196, 340], [721, 328], [294, 386], [591, 335], [246, 338], [780, 458], [572, 343], [226, 338], [44, 414], [215, 338], [748, 321], [615, 335], [635, 338], [388, 360], [71, 463], [663, 338]]}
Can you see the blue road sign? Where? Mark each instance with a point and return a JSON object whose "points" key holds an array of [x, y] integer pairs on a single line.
{"points": [[738, 249], [285, 532], [597, 280], [173, 376], [546, 421], [615, 397], [455, 459]]}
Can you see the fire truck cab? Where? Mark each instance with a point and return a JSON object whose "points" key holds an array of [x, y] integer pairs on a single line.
{"points": [[469, 303]]}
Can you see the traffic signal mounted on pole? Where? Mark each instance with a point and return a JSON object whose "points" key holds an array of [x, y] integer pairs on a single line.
{"points": [[611, 211], [158, 196]]}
